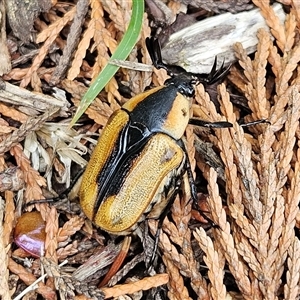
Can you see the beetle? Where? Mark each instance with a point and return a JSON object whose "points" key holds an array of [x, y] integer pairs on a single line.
{"points": [[136, 168]]}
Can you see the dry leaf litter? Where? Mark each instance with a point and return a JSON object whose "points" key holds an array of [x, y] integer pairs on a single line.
{"points": [[253, 195]]}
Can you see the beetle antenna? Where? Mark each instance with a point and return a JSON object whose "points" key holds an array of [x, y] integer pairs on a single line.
{"points": [[215, 74]]}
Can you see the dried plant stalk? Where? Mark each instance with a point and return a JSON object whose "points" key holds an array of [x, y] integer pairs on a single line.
{"points": [[223, 237], [31, 124], [256, 93], [9, 218], [273, 21], [69, 228], [181, 234], [262, 193]]}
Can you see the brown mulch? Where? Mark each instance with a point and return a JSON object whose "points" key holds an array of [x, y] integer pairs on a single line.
{"points": [[247, 176]]}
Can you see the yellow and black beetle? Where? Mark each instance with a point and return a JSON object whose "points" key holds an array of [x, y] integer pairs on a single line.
{"points": [[137, 165]]}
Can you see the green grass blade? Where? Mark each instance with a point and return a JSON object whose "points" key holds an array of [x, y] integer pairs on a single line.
{"points": [[123, 50]]}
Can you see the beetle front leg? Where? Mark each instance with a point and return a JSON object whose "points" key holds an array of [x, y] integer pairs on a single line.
{"points": [[187, 169], [68, 194], [192, 185], [202, 123]]}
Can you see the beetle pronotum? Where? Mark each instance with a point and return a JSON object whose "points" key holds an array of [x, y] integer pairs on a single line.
{"points": [[140, 158]]}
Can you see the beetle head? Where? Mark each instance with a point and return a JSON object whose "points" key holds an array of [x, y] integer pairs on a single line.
{"points": [[184, 83], [179, 77]]}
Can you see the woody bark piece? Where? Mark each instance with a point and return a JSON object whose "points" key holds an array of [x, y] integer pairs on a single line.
{"points": [[195, 47], [21, 15], [21, 97], [5, 61]]}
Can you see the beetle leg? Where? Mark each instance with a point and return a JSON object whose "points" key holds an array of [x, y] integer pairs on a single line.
{"points": [[193, 189], [154, 50], [188, 170], [163, 214], [202, 123], [74, 184]]}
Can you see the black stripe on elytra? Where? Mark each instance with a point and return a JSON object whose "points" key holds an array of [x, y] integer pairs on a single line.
{"points": [[128, 146], [146, 119]]}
